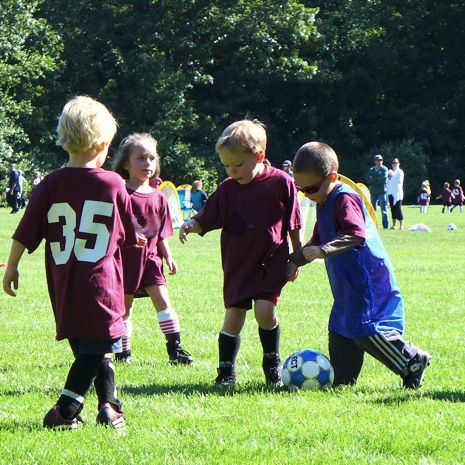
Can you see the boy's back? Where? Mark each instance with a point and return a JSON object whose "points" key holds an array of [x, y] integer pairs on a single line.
{"points": [[78, 212]]}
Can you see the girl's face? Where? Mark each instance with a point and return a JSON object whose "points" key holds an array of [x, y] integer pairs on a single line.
{"points": [[142, 163]]}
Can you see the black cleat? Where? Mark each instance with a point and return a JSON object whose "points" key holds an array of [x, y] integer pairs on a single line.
{"points": [[124, 357], [226, 377], [416, 370], [180, 356], [54, 420], [110, 417], [272, 370]]}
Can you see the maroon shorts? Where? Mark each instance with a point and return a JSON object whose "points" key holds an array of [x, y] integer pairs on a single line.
{"points": [[150, 275]]}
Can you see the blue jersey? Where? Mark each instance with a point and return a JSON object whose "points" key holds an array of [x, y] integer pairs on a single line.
{"points": [[366, 297]]}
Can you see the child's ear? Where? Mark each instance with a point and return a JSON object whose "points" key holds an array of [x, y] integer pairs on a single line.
{"points": [[260, 156], [333, 177]]}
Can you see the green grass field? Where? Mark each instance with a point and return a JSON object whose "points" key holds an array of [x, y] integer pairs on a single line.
{"points": [[176, 416]]}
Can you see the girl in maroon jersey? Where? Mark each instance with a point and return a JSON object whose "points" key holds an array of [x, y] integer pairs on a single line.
{"points": [[457, 191], [137, 162], [446, 196]]}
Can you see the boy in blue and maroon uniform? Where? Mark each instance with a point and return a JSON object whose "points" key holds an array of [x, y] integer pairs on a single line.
{"points": [[446, 196], [457, 192], [368, 309], [84, 214], [256, 207]]}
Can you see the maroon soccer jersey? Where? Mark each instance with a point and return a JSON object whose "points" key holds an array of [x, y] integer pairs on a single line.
{"points": [[348, 218], [423, 197], [255, 219], [447, 196], [84, 215], [457, 192], [143, 266]]}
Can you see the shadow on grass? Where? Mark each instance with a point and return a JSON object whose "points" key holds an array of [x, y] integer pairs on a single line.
{"points": [[446, 396], [198, 389]]}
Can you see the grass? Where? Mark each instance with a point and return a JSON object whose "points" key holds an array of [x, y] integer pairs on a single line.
{"points": [[176, 416]]}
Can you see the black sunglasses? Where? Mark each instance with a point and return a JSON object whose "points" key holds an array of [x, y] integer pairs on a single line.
{"points": [[310, 190]]}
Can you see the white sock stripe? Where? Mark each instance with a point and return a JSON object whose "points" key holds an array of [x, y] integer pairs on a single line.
{"points": [[386, 354], [395, 351], [73, 395], [169, 324], [228, 334], [167, 314]]}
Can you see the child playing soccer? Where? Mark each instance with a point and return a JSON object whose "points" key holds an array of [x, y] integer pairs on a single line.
{"points": [[368, 309], [446, 196], [137, 162], [256, 207], [424, 197], [457, 192], [84, 214]]}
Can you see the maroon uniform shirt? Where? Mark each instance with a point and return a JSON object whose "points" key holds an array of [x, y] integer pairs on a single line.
{"points": [[447, 196], [457, 191], [255, 219], [84, 215], [143, 266]]}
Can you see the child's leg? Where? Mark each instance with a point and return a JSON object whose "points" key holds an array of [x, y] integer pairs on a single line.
{"points": [[169, 324], [125, 355], [346, 358], [269, 331], [228, 344], [400, 356]]}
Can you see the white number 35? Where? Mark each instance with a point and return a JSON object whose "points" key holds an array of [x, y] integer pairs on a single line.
{"points": [[87, 225]]}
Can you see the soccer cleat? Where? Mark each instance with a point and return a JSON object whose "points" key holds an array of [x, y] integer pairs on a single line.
{"points": [[272, 370], [180, 356], [416, 370], [124, 357], [110, 417], [53, 419], [225, 378]]}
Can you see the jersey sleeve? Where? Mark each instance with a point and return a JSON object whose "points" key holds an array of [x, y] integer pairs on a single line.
{"points": [[33, 225], [210, 217], [348, 215], [166, 227]]}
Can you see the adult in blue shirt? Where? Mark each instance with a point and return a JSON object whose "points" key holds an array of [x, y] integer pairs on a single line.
{"points": [[198, 196], [14, 188]]}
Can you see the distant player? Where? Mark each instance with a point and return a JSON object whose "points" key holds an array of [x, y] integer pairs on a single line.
{"points": [[457, 192], [446, 196], [256, 207], [84, 214], [424, 197], [368, 309], [137, 161]]}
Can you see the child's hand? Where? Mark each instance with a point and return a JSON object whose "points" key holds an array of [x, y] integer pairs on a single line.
{"points": [[141, 240], [292, 271], [188, 227], [11, 276], [172, 266], [312, 252]]}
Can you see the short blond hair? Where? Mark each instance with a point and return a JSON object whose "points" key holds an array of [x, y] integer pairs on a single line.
{"points": [[84, 123], [247, 135]]}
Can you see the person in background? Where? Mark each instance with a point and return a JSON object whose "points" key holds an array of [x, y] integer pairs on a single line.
{"points": [[377, 178], [395, 193], [457, 191], [424, 197], [198, 196], [21, 181], [37, 179], [287, 167], [14, 192], [446, 196]]}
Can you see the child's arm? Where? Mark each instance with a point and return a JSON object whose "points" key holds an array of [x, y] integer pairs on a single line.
{"points": [[292, 268], [165, 252], [190, 226], [11, 275]]}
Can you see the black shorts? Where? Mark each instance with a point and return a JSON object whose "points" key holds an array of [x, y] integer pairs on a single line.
{"points": [[247, 304]]}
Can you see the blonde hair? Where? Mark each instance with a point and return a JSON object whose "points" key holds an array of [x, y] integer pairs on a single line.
{"points": [[125, 148], [84, 123], [457, 182], [243, 135]]}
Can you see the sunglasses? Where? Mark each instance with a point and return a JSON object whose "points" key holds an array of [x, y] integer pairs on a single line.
{"points": [[313, 189]]}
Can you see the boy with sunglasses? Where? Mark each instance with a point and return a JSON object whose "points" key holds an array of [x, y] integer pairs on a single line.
{"points": [[368, 310]]}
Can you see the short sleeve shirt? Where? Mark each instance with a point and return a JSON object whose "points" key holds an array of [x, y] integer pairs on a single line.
{"points": [[255, 219], [84, 215]]}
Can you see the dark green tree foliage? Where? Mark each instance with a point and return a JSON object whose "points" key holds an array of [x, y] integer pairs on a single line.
{"points": [[28, 56]]}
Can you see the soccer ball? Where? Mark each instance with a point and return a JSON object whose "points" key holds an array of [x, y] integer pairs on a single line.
{"points": [[451, 227], [307, 369]]}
